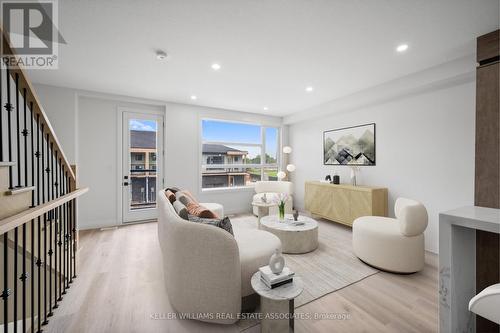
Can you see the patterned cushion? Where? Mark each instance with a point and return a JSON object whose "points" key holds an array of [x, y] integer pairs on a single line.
{"points": [[170, 195], [224, 223], [180, 209], [189, 196], [185, 197], [200, 211]]}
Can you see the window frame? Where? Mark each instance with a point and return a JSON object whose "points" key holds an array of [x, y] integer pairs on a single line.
{"points": [[262, 165]]}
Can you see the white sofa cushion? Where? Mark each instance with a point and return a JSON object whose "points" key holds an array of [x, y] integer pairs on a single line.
{"points": [[274, 187], [254, 247], [412, 216]]}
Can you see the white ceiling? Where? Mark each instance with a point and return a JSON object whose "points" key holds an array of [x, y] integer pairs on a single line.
{"points": [[269, 50]]}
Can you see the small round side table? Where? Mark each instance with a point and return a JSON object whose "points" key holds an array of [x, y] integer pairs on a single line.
{"points": [[277, 305], [263, 209]]}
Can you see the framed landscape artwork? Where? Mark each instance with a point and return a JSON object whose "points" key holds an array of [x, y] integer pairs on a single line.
{"points": [[349, 146]]}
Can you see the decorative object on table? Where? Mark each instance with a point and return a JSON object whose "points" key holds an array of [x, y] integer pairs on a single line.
{"points": [[295, 215], [264, 198], [349, 146], [281, 200], [336, 179], [273, 280], [298, 223], [328, 178], [276, 262]]}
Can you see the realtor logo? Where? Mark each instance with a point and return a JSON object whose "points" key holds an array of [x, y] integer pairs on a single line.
{"points": [[32, 30]]}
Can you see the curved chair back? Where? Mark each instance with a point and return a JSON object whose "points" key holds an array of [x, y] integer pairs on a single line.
{"points": [[412, 216], [273, 187], [200, 262]]}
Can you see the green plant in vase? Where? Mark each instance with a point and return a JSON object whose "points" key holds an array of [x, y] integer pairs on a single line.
{"points": [[281, 200]]}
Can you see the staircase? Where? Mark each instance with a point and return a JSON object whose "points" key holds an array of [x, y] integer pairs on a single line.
{"points": [[38, 208]]}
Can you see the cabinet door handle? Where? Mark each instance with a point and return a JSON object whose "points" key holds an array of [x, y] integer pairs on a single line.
{"points": [[125, 183]]}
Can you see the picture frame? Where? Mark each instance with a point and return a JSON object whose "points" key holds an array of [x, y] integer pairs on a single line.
{"points": [[350, 146]]}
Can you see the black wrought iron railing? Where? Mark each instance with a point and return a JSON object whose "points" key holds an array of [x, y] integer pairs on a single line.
{"points": [[38, 208]]}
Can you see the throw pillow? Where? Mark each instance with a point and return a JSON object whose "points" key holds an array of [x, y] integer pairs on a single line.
{"points": [[224, 223], [170, 195], [180, 209], [173, 189], [200, 211], [190, 196], [182, 197]]}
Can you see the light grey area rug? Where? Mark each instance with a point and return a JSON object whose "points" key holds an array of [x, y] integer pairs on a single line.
{"points": [[332, 266]]}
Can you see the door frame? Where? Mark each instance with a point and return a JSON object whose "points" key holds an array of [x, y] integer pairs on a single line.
{"points": [[160, 160]]}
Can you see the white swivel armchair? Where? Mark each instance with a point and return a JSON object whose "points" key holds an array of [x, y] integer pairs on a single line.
{"points": [[270, 189], [395, 245]]}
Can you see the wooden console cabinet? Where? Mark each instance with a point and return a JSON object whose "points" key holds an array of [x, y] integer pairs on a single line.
{"points": [[344, 203]]}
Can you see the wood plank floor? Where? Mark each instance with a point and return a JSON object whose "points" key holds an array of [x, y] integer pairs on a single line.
{"points": [[120, 289], [383, 302]]}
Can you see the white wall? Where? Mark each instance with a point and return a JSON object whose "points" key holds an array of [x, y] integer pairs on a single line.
{"points": [[424, 150], [86, 123], [60, 106]]}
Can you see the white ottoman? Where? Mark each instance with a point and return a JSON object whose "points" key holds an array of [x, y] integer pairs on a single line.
{"points": [[395, 245]]}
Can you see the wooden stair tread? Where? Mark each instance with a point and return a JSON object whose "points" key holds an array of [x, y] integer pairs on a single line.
{"points": [[18, 190], [7, 164]]}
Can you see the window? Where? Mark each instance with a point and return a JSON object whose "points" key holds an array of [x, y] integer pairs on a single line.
{"points": [[232, 154]]}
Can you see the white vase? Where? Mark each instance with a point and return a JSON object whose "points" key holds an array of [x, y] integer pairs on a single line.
{"points": [[277, 262]]}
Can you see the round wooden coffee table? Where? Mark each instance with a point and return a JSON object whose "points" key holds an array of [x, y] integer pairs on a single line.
{"points": [[295, 238]]}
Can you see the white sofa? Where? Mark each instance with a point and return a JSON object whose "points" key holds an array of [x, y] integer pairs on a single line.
{"points": [[395, 245], [206, 269], [270, 189]]}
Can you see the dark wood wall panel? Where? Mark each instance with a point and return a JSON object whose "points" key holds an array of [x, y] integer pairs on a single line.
{"points": [[487, 182], [487, 171], [487, 46]]}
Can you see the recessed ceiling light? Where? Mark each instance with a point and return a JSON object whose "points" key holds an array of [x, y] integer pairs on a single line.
{"points": [[309, 89], [215, 66], [402, 48], [160, 55], [265, 108], [194, 97]]}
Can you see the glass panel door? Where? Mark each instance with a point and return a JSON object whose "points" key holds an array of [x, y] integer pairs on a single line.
{"points": [[142, 167]]}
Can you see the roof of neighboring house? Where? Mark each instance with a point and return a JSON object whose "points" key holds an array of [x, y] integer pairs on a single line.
{"points": [[142, 139], [219, 149]]}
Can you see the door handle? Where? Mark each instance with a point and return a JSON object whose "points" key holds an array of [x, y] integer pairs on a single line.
{"points": [[125, 183]]}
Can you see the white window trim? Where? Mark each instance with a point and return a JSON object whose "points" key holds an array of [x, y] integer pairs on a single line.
{"points": [[262, 146]]}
